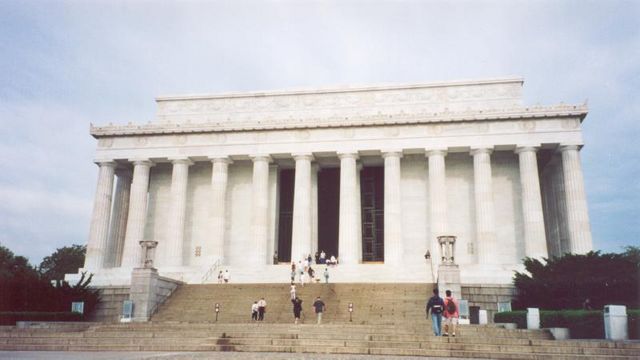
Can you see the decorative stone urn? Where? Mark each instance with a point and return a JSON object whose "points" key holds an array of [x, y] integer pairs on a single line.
{"points": [[447, 248], [148, 253]]}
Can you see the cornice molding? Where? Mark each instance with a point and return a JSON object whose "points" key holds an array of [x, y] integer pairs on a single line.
{"points": [[380, 119]]}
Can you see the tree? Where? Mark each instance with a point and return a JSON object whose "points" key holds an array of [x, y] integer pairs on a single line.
{"points": [[65, 260], [565, 282]]}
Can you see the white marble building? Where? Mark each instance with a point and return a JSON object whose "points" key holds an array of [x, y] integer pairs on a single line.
{"points": [[370, 174]]}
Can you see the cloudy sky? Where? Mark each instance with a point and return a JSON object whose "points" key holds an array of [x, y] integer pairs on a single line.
{"points": [[65, 64]]}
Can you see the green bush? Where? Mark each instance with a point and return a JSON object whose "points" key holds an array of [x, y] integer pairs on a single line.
{"points": [[10, 318], [633, 318], [583, 324], [566, 282], [519, 317]]}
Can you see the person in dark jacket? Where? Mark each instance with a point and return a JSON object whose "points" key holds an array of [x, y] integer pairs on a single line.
{"points": [[436, 305], [297, 309]]}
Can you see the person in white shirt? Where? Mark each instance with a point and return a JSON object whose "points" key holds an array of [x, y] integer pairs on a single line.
{"points": [[262, 308], [302, 278], [254, 311], [226, 276], [293, 291]]}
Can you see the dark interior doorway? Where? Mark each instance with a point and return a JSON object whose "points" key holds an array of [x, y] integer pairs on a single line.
{"points": [[328, 210], [285, 215], [372, 195]]}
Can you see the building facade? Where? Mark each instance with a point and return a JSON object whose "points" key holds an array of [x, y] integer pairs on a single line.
{"points": [[371, 175]]}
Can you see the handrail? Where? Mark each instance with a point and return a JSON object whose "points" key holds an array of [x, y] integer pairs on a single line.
{"points": [[211, 270]]}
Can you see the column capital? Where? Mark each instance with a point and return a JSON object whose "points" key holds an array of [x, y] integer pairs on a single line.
{"points": [[105, 163], [220, 159], [181, 160], [527, 148], [348, 155], [303, 156], [391, 153], [142, 161], [567, 147], [481, 150], [437, 151], [260, 157]]}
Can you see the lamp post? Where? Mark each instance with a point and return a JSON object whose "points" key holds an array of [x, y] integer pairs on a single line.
{"points": [[217, 311], [350, 312]]}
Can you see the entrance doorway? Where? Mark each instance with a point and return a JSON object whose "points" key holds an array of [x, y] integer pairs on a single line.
{"points": [[285, 215], [328, 210], [372, 194]]}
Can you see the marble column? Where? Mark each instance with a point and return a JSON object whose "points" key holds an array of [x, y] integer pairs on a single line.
{"points": [[535, 241], [485, 210], [301, 228], [137, 214], [260, 211], [437, 201], [97, 246], [174, 249], [119, 217], [576, 201], [349, 222], [219, 181], [314, 208], [392, 208]]}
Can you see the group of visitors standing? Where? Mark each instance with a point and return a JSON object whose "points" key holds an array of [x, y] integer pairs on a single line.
{"points": [[258, 309], [305, 273], [447, 307], [223, 277]]}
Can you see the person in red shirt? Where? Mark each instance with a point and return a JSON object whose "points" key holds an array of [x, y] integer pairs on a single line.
{"points": [[451, 314]]}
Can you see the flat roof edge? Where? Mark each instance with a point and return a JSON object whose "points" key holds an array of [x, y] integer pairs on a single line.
{"points": [[341, 89]]}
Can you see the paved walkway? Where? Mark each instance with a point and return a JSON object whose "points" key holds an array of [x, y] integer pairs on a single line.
{"points": [[23, 355]]}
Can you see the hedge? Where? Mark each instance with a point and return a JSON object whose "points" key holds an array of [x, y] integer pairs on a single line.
{"points": [[583, 324], [10, 317]]}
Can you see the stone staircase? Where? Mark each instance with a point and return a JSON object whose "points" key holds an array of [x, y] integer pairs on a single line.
{"points": [[388, 319], [372, 303], [471, 342]]}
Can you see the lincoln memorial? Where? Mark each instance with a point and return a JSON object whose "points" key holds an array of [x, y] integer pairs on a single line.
{"points": [[372, 175]]}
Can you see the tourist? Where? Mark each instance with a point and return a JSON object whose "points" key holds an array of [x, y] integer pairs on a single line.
{"points": [[451, 314], [326, 275], [323, 257], [262, 308], [333, 261], [306, 265], [293, 291], [220, 277], [309, 259], [297, 309], [586, 305], [226, 276], [275, 258], [311, 275], [302, 277], [319, 308], [254, 311], [293, 271], [436, 305], [317, 257]]}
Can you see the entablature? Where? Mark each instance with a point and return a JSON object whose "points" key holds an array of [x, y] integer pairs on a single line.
{"points": [[379, 119]]}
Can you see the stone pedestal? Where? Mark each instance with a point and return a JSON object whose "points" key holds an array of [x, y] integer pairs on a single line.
{"points": [[449, 279], [143, 293], [533, 318]]}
